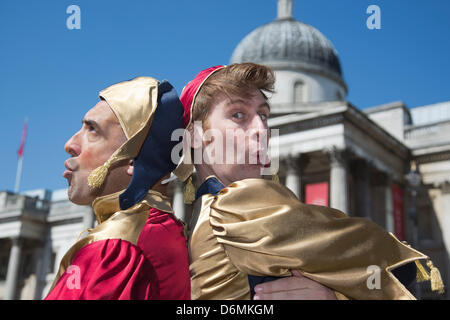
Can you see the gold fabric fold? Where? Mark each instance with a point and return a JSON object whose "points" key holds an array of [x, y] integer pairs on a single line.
{"points": [[271, 234], [133, 102], [114, 223], [213, 275], [107, 205]]}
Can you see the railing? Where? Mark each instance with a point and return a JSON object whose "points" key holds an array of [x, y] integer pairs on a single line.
{"points": [[427, 131], [11, 201], [37, 204]]}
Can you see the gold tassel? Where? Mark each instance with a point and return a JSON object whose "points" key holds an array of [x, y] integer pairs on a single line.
{"points": [[275, 178], [189, 192], [422, 275], [436, 279], [98, 175]]}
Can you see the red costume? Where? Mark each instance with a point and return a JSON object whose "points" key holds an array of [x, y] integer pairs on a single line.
{"points": [[114, 269]]}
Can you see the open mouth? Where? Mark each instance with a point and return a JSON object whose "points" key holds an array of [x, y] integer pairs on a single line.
{"points": [[67, 174]]}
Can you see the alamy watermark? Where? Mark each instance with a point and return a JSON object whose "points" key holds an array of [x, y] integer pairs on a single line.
{"points": [[374, 20], [74, 280], [374, 280], [74, 20]]}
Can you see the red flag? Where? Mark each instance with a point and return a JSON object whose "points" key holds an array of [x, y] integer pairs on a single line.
{"points": [[22, 144]]}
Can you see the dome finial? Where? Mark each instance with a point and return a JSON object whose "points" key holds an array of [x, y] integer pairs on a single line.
{"points": [[285, 9]]}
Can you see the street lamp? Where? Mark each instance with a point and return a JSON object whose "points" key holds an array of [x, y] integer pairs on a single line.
{"points": [[414, 180]]}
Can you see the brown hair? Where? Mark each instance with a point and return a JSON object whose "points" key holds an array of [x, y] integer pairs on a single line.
{"points": [[237, 79]]}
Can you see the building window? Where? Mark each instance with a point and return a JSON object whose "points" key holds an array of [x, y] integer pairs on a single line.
{"points": [[5, 251], [51, 265], [29, 264], [4, 259], [299, 92], [339, 96]]}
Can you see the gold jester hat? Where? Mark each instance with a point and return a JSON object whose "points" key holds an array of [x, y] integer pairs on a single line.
{"points": [[134, 103]]}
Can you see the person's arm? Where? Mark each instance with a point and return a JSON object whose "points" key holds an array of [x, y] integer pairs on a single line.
{"points": [[296, 287]]}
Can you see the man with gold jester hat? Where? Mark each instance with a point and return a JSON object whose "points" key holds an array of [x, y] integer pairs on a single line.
{"points": [[246, 230], [119, 160]]}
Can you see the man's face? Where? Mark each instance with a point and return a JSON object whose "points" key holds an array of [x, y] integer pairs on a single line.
{"points": [[99, 137], [239, 132]]}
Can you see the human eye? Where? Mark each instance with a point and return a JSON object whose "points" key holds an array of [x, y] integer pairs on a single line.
{"points": [[238, 115], [90, 129], [89, 126]]}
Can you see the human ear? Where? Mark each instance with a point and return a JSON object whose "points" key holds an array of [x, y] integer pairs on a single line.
{"points": [[195, 134], [130, 168]]}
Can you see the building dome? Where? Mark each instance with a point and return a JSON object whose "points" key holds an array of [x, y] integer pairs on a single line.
{"points": [[288, 44]]}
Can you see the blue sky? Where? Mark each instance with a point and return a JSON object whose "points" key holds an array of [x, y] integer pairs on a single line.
{"points": [[52, 75]]}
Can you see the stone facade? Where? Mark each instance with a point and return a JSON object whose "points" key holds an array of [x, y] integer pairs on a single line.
{"points": [[34, 235]]}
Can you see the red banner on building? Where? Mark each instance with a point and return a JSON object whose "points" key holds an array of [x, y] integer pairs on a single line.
{"points": [[399, 227], [317, 193]]}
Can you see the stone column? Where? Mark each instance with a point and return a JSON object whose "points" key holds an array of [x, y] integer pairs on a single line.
{"points": [[13, 269], [178, 200], [445, 216], [293, 175], [88, 218], [338, 180], [43, 266], [389, 205], [294, 170], [362, 189]]}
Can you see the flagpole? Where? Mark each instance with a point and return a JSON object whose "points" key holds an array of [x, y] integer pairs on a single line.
{"points": [[18, 175], [20, 154]]}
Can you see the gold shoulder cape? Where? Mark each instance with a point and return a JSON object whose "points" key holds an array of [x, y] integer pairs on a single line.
{"points": [[259, 227], [114, 223]]}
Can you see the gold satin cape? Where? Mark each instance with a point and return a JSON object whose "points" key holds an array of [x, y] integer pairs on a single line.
{"points": [[259, 227]]}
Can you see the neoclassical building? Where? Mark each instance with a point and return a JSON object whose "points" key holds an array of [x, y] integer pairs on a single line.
{"points": [[388, 163]]}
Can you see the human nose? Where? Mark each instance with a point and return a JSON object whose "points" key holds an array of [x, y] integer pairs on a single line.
{"points": [[259, 126], [72, 146]]}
